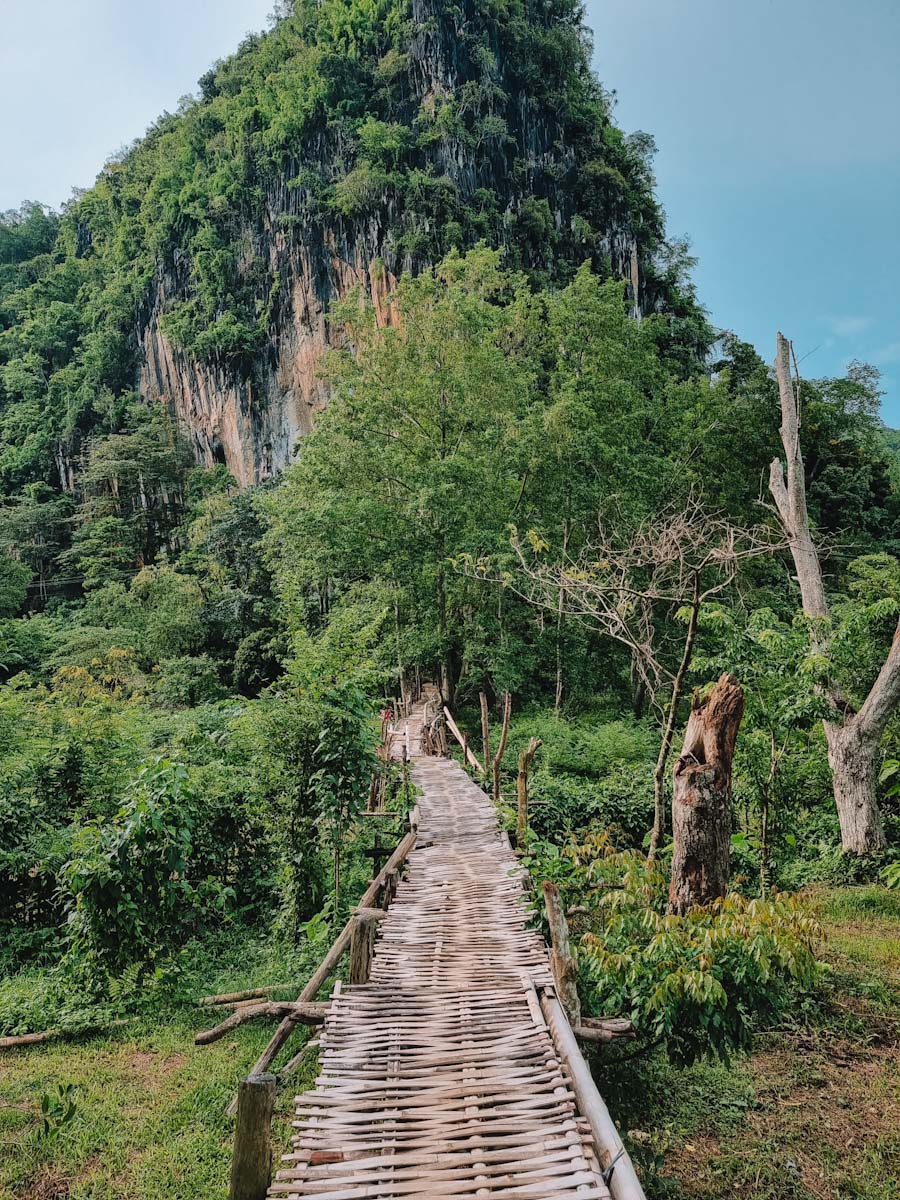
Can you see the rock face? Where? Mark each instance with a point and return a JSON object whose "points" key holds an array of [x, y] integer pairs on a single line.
{"points": [[250, 416], [251, 421]]}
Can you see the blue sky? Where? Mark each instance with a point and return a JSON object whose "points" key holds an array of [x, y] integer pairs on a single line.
{"points": [[777, 121]]}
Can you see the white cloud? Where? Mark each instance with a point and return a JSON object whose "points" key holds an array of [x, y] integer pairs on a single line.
{"points": [[849, 326]]}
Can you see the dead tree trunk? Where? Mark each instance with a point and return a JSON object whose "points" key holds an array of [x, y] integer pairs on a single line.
{"points": [[701, 799], [665, 748], [854, 738], [854, 758]]}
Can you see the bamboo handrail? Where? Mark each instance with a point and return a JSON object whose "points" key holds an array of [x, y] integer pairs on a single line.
{"points": [[454, 729], [618, 1169], [331, 959]]}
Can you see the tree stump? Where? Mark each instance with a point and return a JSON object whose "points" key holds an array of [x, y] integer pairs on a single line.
{"points": [[701, 799], [251, 1166]]}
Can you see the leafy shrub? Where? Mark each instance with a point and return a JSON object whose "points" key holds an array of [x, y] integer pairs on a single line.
{"points": [[622, 800], [698, 983], [587, 746], [187, 681], [131, 895]]}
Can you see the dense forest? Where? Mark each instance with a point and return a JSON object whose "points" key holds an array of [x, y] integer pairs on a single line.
{"points": [[531, 467]]}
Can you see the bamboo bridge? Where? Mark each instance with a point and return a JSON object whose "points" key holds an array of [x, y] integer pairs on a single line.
{"points": [[452, 1071]]}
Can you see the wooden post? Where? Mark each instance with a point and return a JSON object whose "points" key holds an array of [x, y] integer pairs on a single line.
{"points": [[501, 749], [251, 1165], [562, 961], [362, 945], [390, 888], [465, 750], [485, 734], [525, 761]]}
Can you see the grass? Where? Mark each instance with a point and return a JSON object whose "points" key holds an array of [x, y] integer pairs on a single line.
{"points": [[150, 1118], [813, 1114]]}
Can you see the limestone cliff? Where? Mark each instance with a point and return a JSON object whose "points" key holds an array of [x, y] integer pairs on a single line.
{"points": [[536, 181]]}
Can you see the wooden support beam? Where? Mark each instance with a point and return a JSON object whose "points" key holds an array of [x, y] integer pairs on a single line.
{"points": [[251, 1163], [290, 1010], [238, 997], [454, 729], [604, 1029]]}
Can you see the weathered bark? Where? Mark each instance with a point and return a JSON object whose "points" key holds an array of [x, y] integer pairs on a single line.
{"points": [[362, 945], [701, 798], [853, 756], [307, 1013], [251, 1166], [562, 961], [790, 496], [854, 739]]}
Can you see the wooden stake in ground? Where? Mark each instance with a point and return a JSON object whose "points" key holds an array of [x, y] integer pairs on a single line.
{"points": [[701, 800], [251, 1166], [485, 733], [501, 749], [525, 760], [562, 961]]}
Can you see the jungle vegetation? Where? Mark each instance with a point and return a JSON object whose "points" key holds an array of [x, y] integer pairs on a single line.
{"points": [[190, 671]]}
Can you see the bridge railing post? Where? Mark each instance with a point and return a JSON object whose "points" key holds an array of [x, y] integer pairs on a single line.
{"points": [[251, 1165]]}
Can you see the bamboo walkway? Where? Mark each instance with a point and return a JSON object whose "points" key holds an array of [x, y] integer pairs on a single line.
{"points": [[439, 1077]]}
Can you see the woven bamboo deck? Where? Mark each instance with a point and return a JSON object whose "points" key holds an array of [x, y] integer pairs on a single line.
{"points": [[439, 1077]]}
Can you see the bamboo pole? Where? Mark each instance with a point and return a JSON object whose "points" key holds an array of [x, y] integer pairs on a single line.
{"points": [[618, 1169], [501, 749], [237, 997], [454, 729], [485, 733], [331, 959], [525, 760]]}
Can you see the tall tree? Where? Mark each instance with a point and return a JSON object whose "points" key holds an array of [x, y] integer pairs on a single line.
{"points": [[853, 734]]}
